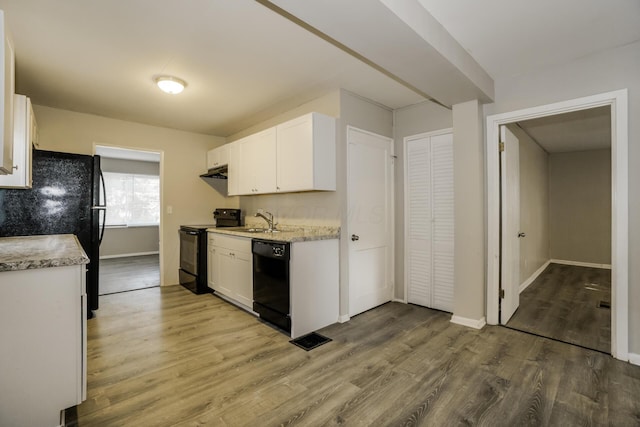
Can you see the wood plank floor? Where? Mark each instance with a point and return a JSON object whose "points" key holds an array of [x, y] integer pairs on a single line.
{"points": [[562, 303], [129, 273], [168, 357]]}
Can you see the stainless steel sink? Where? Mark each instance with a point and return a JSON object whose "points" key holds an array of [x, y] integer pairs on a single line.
{"points": [[254, 230]]}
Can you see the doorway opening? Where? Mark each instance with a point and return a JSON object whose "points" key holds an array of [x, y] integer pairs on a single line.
{"points": [[616, 103], [558, 237], [130, 252]]}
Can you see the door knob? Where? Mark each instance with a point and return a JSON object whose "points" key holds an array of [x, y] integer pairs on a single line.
{"points": [[521, 234], [354, 237]]}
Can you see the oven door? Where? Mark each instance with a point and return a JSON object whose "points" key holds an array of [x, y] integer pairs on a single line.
{"points": [[189, 251]]}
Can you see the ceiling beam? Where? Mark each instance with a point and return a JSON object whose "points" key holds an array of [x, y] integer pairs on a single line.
{"points": [[398, 38]]}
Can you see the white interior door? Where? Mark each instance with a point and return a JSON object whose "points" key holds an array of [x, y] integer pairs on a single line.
{"points": [[370, 223], [510, 214]]}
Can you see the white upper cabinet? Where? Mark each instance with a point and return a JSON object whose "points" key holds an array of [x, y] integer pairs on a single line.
{"points": [[7, 89], [233, 172], [257, 165], [306, 154], [217, 157], [25, 135], [298, 155]]}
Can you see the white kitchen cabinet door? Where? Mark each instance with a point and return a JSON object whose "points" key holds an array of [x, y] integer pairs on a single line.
{"points": [[217, 157], [306, 154], [212, 266], [233, 171], [257, 165], [429, 221], [236, 276], [23, 128], [7, 89], [232, 262]]}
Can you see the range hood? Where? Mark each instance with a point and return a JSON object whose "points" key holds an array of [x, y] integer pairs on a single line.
{"points": [[216, 173]]}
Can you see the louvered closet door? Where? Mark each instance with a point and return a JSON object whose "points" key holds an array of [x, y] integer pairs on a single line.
{"points": [[430, 226]]}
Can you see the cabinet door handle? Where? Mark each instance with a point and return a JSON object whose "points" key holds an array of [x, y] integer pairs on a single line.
{"points": [[354, 237], [521, 234]]}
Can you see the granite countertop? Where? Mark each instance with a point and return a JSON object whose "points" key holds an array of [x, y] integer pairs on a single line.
{"points": [[29, 252], [285, 233]]}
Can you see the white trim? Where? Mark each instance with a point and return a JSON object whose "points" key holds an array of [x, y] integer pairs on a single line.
{"points": [[524, 285], [634, 358], [581, 264], [471, 323], [405, 232], [344, 318], [130, 255], [618, 100]]}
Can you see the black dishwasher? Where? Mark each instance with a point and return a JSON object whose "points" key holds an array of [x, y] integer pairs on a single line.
{"points": [[271, 282]]}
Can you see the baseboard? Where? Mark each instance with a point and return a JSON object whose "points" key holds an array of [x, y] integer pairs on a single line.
{"points": [[533, 277], [344, 318], [471, 323], [403, 301], [634, 359], [129, 255], [581, 264]]}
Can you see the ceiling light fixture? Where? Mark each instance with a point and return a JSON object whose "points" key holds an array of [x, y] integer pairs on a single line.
{"points": [[171, 85]]}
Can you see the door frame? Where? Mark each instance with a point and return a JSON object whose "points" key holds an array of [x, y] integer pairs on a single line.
{"points": [[390, 212], [405, 178], [162, 213], [618, 101]]}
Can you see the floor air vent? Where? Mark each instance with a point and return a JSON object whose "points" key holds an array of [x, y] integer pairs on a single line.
{"points": [[310, 341]]}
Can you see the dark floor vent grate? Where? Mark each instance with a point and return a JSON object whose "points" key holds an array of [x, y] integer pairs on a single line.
{"points": [[310, 341]]}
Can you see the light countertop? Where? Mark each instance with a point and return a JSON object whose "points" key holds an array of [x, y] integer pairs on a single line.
{"points": [[285, 233], [29, 252]]}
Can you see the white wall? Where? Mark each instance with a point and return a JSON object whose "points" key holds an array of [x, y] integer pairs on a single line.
{"points": [[413, 120], [602, 72], [534, 204], [580, 206], [184, 156]]}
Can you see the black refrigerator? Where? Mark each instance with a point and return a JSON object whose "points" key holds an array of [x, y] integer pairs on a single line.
{"points": [[65, 198]]}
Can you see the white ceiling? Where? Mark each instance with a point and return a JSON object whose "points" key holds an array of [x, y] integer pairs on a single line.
{"points": [[577, 131], [245, 63]]}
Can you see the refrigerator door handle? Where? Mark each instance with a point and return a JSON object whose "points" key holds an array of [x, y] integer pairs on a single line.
{"points": [[103, 207]]}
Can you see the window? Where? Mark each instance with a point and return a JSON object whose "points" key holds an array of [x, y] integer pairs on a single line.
{"points": [[132, 199]]}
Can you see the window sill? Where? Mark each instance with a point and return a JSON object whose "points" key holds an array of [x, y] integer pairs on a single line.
{"points": [[131, 226]]}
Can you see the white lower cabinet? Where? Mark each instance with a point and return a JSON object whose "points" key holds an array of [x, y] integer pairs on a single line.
{"points": [[230, 267], [43, 344]]}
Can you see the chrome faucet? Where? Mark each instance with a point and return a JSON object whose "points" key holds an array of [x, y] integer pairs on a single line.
{"points": [[269, 219]]}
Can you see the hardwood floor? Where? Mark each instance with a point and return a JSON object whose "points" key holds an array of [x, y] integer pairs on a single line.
{"points": [[562, 303], [165, 357], [129, 273]]}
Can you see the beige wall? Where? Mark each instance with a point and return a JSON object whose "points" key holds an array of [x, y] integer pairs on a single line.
{"points": [[580, 206], [534, 204], [605, 71], [409, 121], [184, 158], [126, 241], [468, 177]]}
